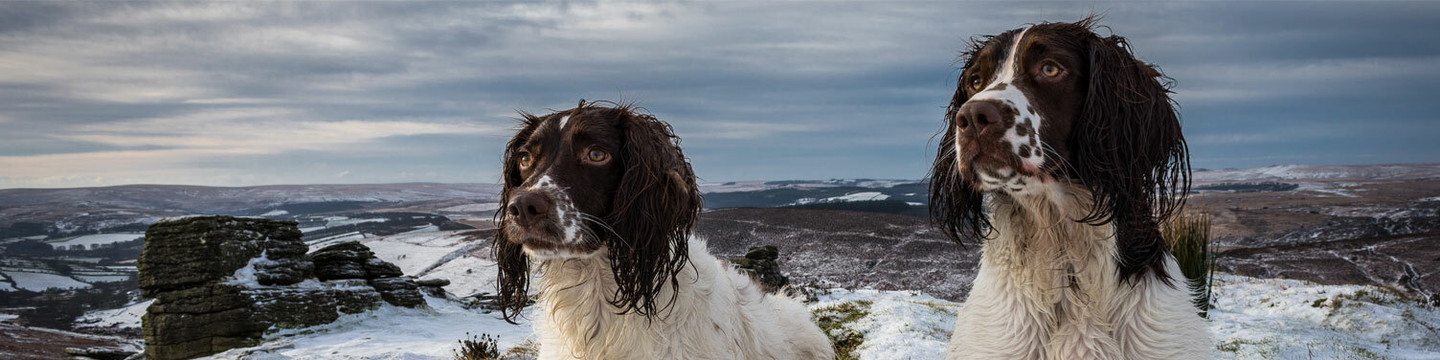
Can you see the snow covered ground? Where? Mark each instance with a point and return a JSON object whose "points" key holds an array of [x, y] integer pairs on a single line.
{"points": [[1253, 319], [35, 281], [852, 197], [1320, 172], [387, 333], [125, 317], [743, 186], [472, 208], [88, 240], [1275, 318]]}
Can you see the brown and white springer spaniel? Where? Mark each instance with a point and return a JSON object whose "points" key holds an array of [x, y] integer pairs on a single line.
{"points": [[1074, 147], [601, 202]]}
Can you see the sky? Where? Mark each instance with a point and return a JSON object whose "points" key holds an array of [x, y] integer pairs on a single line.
{"points": [[253, 93]]}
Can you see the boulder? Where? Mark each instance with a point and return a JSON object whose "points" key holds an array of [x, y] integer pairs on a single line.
{"points": [[195, 251], [433, 282], [223, 282], [761, 263], [283, 272], [99, 353], [433, 287], [345, 260], [399, 291], [376, 268]]}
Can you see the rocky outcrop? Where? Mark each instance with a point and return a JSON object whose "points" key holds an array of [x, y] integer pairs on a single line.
{"points": [[760, 263], [222, 282], [351, 260], [192, 252]]}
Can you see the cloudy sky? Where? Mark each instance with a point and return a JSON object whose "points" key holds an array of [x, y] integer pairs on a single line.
{"points": [[234, 93]]}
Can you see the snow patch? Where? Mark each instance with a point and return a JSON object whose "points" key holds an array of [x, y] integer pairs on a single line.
{"points": [[97, 239], [342, 221], [1260, 318], [897, 324], [387, 333], [486, 207], [245, 276], [276, 213], [40, 281], [852, 197], [121, 318]]}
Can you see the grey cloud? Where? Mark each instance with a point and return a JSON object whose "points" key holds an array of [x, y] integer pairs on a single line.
{"points": [[759, 90]]}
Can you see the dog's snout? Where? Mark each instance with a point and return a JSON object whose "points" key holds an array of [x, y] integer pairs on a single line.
{"points": [[529, 208], [977, 116]]}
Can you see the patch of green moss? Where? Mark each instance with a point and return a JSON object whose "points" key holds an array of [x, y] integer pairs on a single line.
{"points": [[833, 320], [1364, 353]]}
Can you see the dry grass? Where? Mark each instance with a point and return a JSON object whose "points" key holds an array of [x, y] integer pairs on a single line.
{"points": [[481, 347], [1190, 242]]}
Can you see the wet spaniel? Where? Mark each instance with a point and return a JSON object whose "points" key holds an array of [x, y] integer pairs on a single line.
{"points": [[1062, 154], [600, 202]]}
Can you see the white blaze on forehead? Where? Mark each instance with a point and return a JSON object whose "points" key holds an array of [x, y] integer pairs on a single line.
{"points": [[564, 120], [1007, 70]]}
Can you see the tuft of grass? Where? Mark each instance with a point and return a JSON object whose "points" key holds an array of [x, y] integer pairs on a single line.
{"points": [[1189, 237], [833, 321], [481, 347], [528, 350]]}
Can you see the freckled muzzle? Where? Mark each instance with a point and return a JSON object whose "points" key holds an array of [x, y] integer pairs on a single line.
{"points": [[997, 141], [544, 220]]}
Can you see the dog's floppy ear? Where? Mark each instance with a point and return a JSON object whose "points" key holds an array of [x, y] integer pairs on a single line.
{"points": [[655, 208], [1131, 153], [956, 208], [513, 278]]}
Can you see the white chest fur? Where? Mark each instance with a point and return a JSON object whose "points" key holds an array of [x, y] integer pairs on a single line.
{"points": [[718, 313], [1048, 288]]}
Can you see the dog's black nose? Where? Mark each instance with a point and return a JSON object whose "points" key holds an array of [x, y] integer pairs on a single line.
{"points": [[977, 116], [529, 208]]}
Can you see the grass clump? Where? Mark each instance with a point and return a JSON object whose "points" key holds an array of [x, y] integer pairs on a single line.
{"points": [[833, 321], [1189, 238], [481, 347]]}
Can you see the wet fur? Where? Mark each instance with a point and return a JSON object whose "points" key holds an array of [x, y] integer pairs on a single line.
{"points": [[649, 292], [1078, 270]]}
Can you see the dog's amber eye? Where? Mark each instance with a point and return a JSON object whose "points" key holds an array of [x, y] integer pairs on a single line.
{"points": [[524, 158], [975, 83], [597, 155], [1050, 70]]}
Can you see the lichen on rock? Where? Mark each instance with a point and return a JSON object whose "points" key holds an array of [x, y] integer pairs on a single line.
{"points": [[222, 282]]}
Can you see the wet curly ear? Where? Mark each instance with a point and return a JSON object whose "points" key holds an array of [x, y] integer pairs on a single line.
{"points": [[1130, 151], [655, 209], [513, 276]]}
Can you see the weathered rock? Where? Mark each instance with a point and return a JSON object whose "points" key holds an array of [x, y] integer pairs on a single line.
{"points": [[763, 253], [433, 282], [199, 321], [222, 282], [760, 263], [283, 272], [399, 291], [195, 251], [99, 353], [345, 260], [376, 268], [301, 307], [433, 287]]}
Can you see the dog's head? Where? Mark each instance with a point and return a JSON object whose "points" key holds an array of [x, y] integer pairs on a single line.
{"points": [[599, 180], [1055, 103]]}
